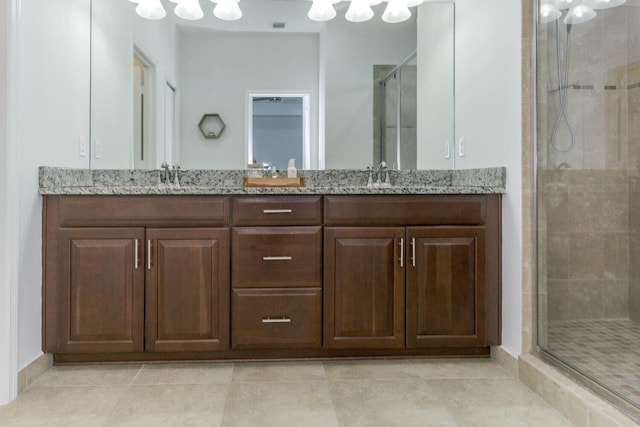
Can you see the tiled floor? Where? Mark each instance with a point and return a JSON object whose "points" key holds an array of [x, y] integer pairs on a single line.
{"points": [[337, 393], [605, 350]]}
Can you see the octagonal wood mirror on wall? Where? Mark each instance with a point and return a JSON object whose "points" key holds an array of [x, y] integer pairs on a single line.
{"points": [[211, 126]]}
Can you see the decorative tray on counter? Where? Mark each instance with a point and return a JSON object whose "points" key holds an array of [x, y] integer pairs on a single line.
{"points": [[274, 182]]}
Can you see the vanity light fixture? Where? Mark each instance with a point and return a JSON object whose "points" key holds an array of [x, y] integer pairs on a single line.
{"points": [[396, 11], [359, 11], [150, 9], [322, 10], [227, 10], [188, 9], [606, 4], [579, 15], [549, 13]]}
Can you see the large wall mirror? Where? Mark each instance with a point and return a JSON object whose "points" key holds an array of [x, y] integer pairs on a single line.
{"points": [[375, 91]]}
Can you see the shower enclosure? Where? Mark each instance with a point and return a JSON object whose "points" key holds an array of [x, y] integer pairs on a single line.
{"points": [[588, 192], [395, 100]]}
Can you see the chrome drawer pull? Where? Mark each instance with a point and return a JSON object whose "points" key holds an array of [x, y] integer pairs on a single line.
{"points": [[276, 320], [277, 258], [277, 211], [401, 252]]}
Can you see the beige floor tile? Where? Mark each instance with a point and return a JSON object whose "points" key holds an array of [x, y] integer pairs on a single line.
{"points": [[191, 373], [495, 403], [305, 404], [62, 406], [402, 403], [459, 368], [170, 405], [88, 375], [279, 372], [369, 370]]}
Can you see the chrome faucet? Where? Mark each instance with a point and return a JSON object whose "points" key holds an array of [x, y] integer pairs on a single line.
{"points": [[381, 176], [170, 175], [165, 175]]}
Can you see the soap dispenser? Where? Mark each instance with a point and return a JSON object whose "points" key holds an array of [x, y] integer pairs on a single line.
{"points": [[292, 172]]}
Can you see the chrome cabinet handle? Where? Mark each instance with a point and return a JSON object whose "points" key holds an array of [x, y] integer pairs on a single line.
{"points": [[149, 254], [135, 254], [277, 258], [401, 252], [277, 211], [276, 320], [413, 251]]}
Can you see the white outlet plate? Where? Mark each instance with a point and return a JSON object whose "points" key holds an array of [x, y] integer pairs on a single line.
{"points": [[82, 146]]}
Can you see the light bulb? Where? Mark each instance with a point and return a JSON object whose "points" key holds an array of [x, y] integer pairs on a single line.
{"points": [[579, 15], [151, 9], [606, 4], [549, 13], [396, 11], [227, 10], [359, 11], [322, 10], [189, 9]]}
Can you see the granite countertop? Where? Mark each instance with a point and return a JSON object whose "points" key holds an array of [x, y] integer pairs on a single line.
{"points": [[64, 181]]}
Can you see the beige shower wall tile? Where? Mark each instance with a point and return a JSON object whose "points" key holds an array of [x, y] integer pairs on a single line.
{"points": [[558, 256], [615, 211], [586, 256], [585, 210], [558, 300], [586, 299], [557, 207], [616, 256], [616, 299]]}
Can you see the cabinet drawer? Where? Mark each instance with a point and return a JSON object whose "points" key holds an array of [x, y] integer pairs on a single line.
{"points": [[277, 257], [274, 210], [409, 210], [142, 211], [276, 318]]}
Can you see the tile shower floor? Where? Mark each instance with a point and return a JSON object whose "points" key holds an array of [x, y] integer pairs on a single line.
{"points": [[337, 393], [605, 350]]}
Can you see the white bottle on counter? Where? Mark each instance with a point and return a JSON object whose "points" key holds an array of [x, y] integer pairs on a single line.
{"points": [[292, 172]]}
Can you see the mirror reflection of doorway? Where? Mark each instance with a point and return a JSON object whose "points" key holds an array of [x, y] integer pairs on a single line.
{"points": [[279, 129], [143, 148]]}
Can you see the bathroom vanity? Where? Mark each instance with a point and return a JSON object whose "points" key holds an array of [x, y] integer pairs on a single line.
{"points": [[202, 273]]}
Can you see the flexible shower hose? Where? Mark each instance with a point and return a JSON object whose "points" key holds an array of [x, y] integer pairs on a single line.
{"points": [[563, 81]]}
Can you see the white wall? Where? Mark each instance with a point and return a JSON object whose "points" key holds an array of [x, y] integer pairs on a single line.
{"points": [[351, 51], [488, 116], [8, 283], [53, 114], [216, 79]]}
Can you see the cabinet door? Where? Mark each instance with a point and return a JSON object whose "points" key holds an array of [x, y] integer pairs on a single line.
{"points": [[187, 290], [102, 290], [445, 287], [363, 287]]}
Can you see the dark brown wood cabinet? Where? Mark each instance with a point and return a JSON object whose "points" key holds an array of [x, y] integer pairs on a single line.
{"points": [[276, 298], [100, 304], [364, 287], [445, 285], [270, 276], [187, 290]]}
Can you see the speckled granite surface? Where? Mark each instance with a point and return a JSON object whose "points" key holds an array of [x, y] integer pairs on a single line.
{"points": [[63, 181]]}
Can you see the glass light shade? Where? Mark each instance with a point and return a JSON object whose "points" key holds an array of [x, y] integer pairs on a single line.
{"points": [[396, 11], [322, 10], [359, 11], [579, 15], [566, 4], [549, 13], [374, 2], [150, 9], [189, 9], [414, 3], [227, 10], [606, 4], [136, 1]]}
